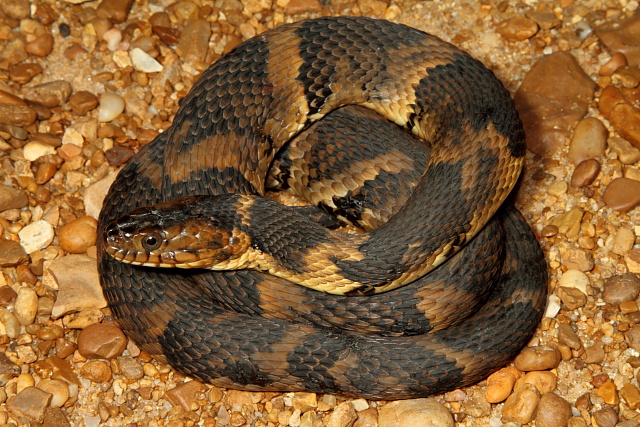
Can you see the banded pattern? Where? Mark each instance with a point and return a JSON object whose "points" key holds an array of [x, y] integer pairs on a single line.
{"points": [[220, 327]]}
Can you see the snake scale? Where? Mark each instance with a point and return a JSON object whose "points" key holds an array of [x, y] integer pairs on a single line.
{"points": [[382, 328]]}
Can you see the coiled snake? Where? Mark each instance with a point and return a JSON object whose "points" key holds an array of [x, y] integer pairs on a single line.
{"points": [[251, 328]]}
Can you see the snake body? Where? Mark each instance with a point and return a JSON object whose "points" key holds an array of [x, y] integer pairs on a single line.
{"points": [[248, 329]]}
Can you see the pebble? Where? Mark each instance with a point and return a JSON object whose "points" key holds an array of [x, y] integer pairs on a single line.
{"points": [[345, 416], [58, 390], [95, 193], [608, 392], [517, 28], [622, 194], [101, 341], [26, 306], [632, 337], [78, 235], [78, 284], [295, 7], [130, 368], [595, 353], [415, 412], [32, 151], [82, 102], [115, 10], [538, 358], [521, 406], [627, 153], [631, 395], [113, 37], [305, 401], [500, 384], [12, 198], [544, 381], [16, 114], [119, 155], [589, 140], [572, 298], [50, 94], [41, 46], [142, 61], [606, 417], [186, 394], [625, 119], [616, 61], [194, 41], [621, 288], [568, 337], [55, 417], [585, 173], [36, 236], [97, 371], [632, 259], [553, 411], [568, 223], [16, 9], [111, 106], [10, 323], [25, 72], [554, 95], [574, 279]]}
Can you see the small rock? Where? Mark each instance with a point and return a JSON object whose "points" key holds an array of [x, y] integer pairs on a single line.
{"points": [[631, 396], [617, 60], [545, 18], [606, 417], [97, 371], [544, 381], [55, 417], [595, 353], [119, 155], [574, 279], [50, 94], [115, 10], [36, 236], [623, 194], [101, 341], [344, 416], [95, 193], [34, 150], [78, 283], [521, 405], [295, 7], [186, 394], [111, 106], [130, 368], [568, 337], [415, 412], [589, 140], [553, 411], [16, 114], [82, 102], [142, 61], [632, 259], [585, 173], [16, 9], [568, 223], [62, 370], [78, 235], [41, 46], [571, 297], [58, 390], [578, 259], [24, 72], [625, 119], [366, 418], [500, 384], [517, 28], [622, 36], [30, 403], [194, 41], [539, 358], [305, 401], [554, 95], [621, 288], [26, 306], [609, 393], [627, 153], [12, 198]]}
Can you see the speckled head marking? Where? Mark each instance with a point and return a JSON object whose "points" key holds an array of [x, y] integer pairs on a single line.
{"points": [[213, 325]]}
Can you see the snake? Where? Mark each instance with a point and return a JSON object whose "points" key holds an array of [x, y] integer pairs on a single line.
{"points": [[430, 295]]}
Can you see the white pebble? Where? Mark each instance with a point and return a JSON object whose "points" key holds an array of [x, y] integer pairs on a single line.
{"points": [[35, 236], [142, 61], [574, 279], [112, 37], [111, 106], [34, 150], [553, 306]]}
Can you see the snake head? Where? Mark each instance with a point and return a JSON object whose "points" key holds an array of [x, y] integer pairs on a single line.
{"points": [[176, 234]]}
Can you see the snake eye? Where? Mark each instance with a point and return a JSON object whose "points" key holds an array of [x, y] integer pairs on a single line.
{"points": [[152, 241]]}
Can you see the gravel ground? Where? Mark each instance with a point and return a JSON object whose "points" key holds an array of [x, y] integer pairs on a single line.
{"points": [[84, 86]]}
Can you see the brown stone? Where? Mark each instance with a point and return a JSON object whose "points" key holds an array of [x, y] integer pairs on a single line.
{"points": [[623, 194], [12, 198], [97, 371], [119, 155], [554, 95], [16, 9], [16, 114], [401, 413], [186, 394], [517, 28], [41, 46], [82, 102], [101, 341], [616, 61], [78, 235], [571, 297], [12, 253], [631, 396], [589, 140], [50, 94], [553, 411], [115, 10], [30, 403], [24, 72], [521, 405], [538, 358], [194, 41], [608, 393], [621, 288], [567, 336], [609, 98], [625, 119], [606, 417], [500, 384], [585, 173], [544, 381]]}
